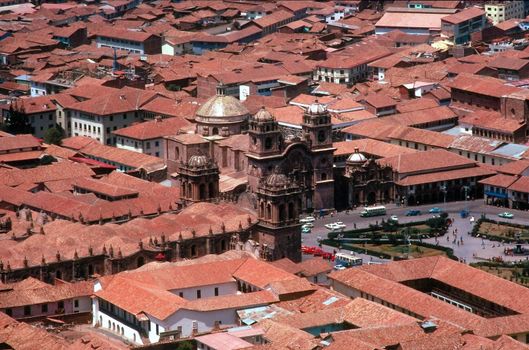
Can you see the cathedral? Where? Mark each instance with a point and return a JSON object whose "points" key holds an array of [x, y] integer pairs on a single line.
{"points": [[237, 156]]}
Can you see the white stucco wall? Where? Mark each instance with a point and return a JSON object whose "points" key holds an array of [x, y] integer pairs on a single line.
{"points": [[206, 291], [154, 147]]}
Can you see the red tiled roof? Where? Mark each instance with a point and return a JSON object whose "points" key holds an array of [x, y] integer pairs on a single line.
{"points": [[445, 176], [422, 136], [125, 157], [380, 100], [153, 129], [47, 294], [135, 298], [499, 180], [20, 156], [482, 85], [464, 15], [252, 272], [520, 185], [120, 101], [122, 33], [518, 167], [234, 301], [55, 171], [510, 63], [273, 18], [416, 104], [436, 159], [111, 190], [372, 147], [18, 142]]}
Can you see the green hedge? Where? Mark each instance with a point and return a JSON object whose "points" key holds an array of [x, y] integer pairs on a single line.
{"points": [[347, 246], [475, 230], [378, 228]]}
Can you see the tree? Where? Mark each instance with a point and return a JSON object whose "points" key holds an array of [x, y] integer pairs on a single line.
{"points": [[54, 135], [17, 122]]}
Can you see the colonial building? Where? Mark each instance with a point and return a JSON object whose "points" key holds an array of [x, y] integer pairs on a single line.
{"points": [[199, 179], [221, 125], [368, 181], [309, 158], [221, 115], [279, 203]]}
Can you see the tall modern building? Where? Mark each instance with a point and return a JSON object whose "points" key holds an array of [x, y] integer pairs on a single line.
{"points": [[499, 11]]}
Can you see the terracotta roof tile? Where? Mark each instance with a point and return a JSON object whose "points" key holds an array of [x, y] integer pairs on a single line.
{"points": [[233, 301], [153, 129], [436, 159], [253, 272], [18, 142], [370, 147], [499, 180], [47, 294]]}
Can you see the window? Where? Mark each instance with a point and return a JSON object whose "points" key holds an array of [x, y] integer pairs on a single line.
{"points": [[157, 144], [268, 143], [44, 308], [199, 294], [148, 145], [60, 305], [216, 291], [181, 294], [321, 136], [27, 310], [9, 312], [76, 303], [157, 330]]}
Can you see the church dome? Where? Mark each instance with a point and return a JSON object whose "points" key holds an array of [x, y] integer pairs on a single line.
{"points": [[222, 107], [198, 161], [277, 180], [356, 157], [317, 108], [263, 116]]}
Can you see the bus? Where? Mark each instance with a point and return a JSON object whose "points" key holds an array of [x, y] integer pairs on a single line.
{"points": [[373, 211], [346, 260]]}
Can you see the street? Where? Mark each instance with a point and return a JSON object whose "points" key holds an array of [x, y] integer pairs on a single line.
{"points": [[471, 249]]}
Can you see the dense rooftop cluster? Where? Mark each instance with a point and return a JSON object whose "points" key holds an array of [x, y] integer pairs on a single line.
{"points": [[156, 156]]}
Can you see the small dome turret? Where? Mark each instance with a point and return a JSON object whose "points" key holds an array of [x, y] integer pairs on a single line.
{"points": [[198, 161], [317, 108], [263, 115], [356, 157]]}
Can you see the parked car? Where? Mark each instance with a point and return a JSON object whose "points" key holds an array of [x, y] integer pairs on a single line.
{"points": [[339, 267], [394, 218], [463, 214], [413, 212], [305, 229], [334, 226], [434, 210], [506, 215], [308, 250], [307, 220], [308, 224]]}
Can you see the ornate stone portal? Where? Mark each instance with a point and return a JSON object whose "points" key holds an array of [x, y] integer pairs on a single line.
{"points": [[368, 182]]}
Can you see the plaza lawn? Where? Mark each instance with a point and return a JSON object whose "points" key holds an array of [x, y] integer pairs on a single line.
{"points": [[513, 274], [502, 230], [400, 250]]}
